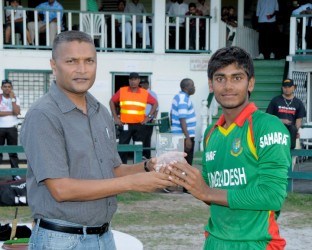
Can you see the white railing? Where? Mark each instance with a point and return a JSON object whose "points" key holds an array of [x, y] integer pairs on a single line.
{"points": [[240, 36], [108, 37], [297, 42], [179, 34], [247, 38]]}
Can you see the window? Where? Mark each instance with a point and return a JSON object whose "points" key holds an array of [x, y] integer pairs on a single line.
{"points": [[29, 85]]}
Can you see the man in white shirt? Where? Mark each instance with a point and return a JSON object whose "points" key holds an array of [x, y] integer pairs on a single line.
{"points": [[9, 110], [268, 30], [177, 9], [135, 7], [18, 22], [302, 10]]}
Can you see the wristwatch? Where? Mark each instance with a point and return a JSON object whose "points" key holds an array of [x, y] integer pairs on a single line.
{"points": [[13, 100]]}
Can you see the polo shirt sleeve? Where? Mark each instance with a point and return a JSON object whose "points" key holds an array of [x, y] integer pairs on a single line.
{"points": [[274, 159], [44, 146], [151, 99], [116, 97]]}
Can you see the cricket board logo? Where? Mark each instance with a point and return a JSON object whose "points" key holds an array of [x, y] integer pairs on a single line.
{"points": [[236, 147]]}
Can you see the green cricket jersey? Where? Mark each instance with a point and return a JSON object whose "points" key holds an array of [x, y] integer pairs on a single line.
{"points": [[250, 159]]}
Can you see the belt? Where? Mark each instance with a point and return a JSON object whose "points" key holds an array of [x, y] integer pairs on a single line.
{"points": [[73, 230]]}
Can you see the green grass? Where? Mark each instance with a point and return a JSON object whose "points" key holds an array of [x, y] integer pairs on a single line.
{"points": [[297, 203]]}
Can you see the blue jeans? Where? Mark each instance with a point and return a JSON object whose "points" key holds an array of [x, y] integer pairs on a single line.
{"points": [[52, 240]]}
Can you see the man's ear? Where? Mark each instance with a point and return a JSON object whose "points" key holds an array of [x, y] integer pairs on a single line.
{"points": [[210, 86], [53, 66]]}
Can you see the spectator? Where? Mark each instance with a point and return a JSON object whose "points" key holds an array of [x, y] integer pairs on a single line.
{"points": [[168, 4], [232, 19], [179, 8], [18, 22], [302, 10], [289, 109], [225, 14], [245, 162], [195, 12], [135, 7], [268, 30], [148, 130], [128, 20], [74, 171], [92, 6], [204, 7], [183, 118], [51, 6], [132, 101], [9, 110]]}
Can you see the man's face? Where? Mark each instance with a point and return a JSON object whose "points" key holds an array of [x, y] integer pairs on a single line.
{"points": [[192, 10], [74, 67], [14, 3], [134, 83], [6, 88], [190, 88], [230, 86], [51, 2], [121, 7], [288, 90]]}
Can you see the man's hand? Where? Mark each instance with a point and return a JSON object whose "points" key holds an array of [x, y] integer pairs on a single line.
{"points": [[188, 143], [286, 121], [12, 95], [117, 121], [182, 174], [149, 182]]}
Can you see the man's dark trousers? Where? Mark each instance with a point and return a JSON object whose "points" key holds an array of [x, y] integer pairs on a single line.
{"points": [[10, 136]]}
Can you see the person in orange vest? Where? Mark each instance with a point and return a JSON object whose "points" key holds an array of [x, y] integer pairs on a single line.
{"points": [[132, 101]]}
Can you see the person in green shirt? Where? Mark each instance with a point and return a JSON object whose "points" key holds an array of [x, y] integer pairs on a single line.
{"points": [[92, 5], [245, 162]]}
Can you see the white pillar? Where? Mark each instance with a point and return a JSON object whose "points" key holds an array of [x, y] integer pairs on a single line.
{"points": [[159, 10], [240, 12], [83, 5], [215, 12]]}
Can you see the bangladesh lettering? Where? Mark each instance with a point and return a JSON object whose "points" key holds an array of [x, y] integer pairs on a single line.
{"points": [[273, 138], [227, 177]]}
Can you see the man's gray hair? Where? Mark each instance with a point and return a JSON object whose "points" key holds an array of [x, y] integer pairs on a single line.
{"points": [[70, 36]]}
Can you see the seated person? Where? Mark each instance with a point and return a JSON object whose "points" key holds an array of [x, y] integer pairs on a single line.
{"points": [[306, 9], [18, 22], [128, 27], [193, 11], [135, 7], [49, 5]]}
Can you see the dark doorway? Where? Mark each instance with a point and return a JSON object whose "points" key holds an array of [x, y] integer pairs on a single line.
{"points": [[121, 80]]}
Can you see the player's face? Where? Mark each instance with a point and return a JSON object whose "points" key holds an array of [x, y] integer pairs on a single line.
{"points": [[230, 86], [74, 67]]}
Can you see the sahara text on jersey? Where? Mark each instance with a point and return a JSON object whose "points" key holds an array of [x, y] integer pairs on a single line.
{"points": [[273, 138]]}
